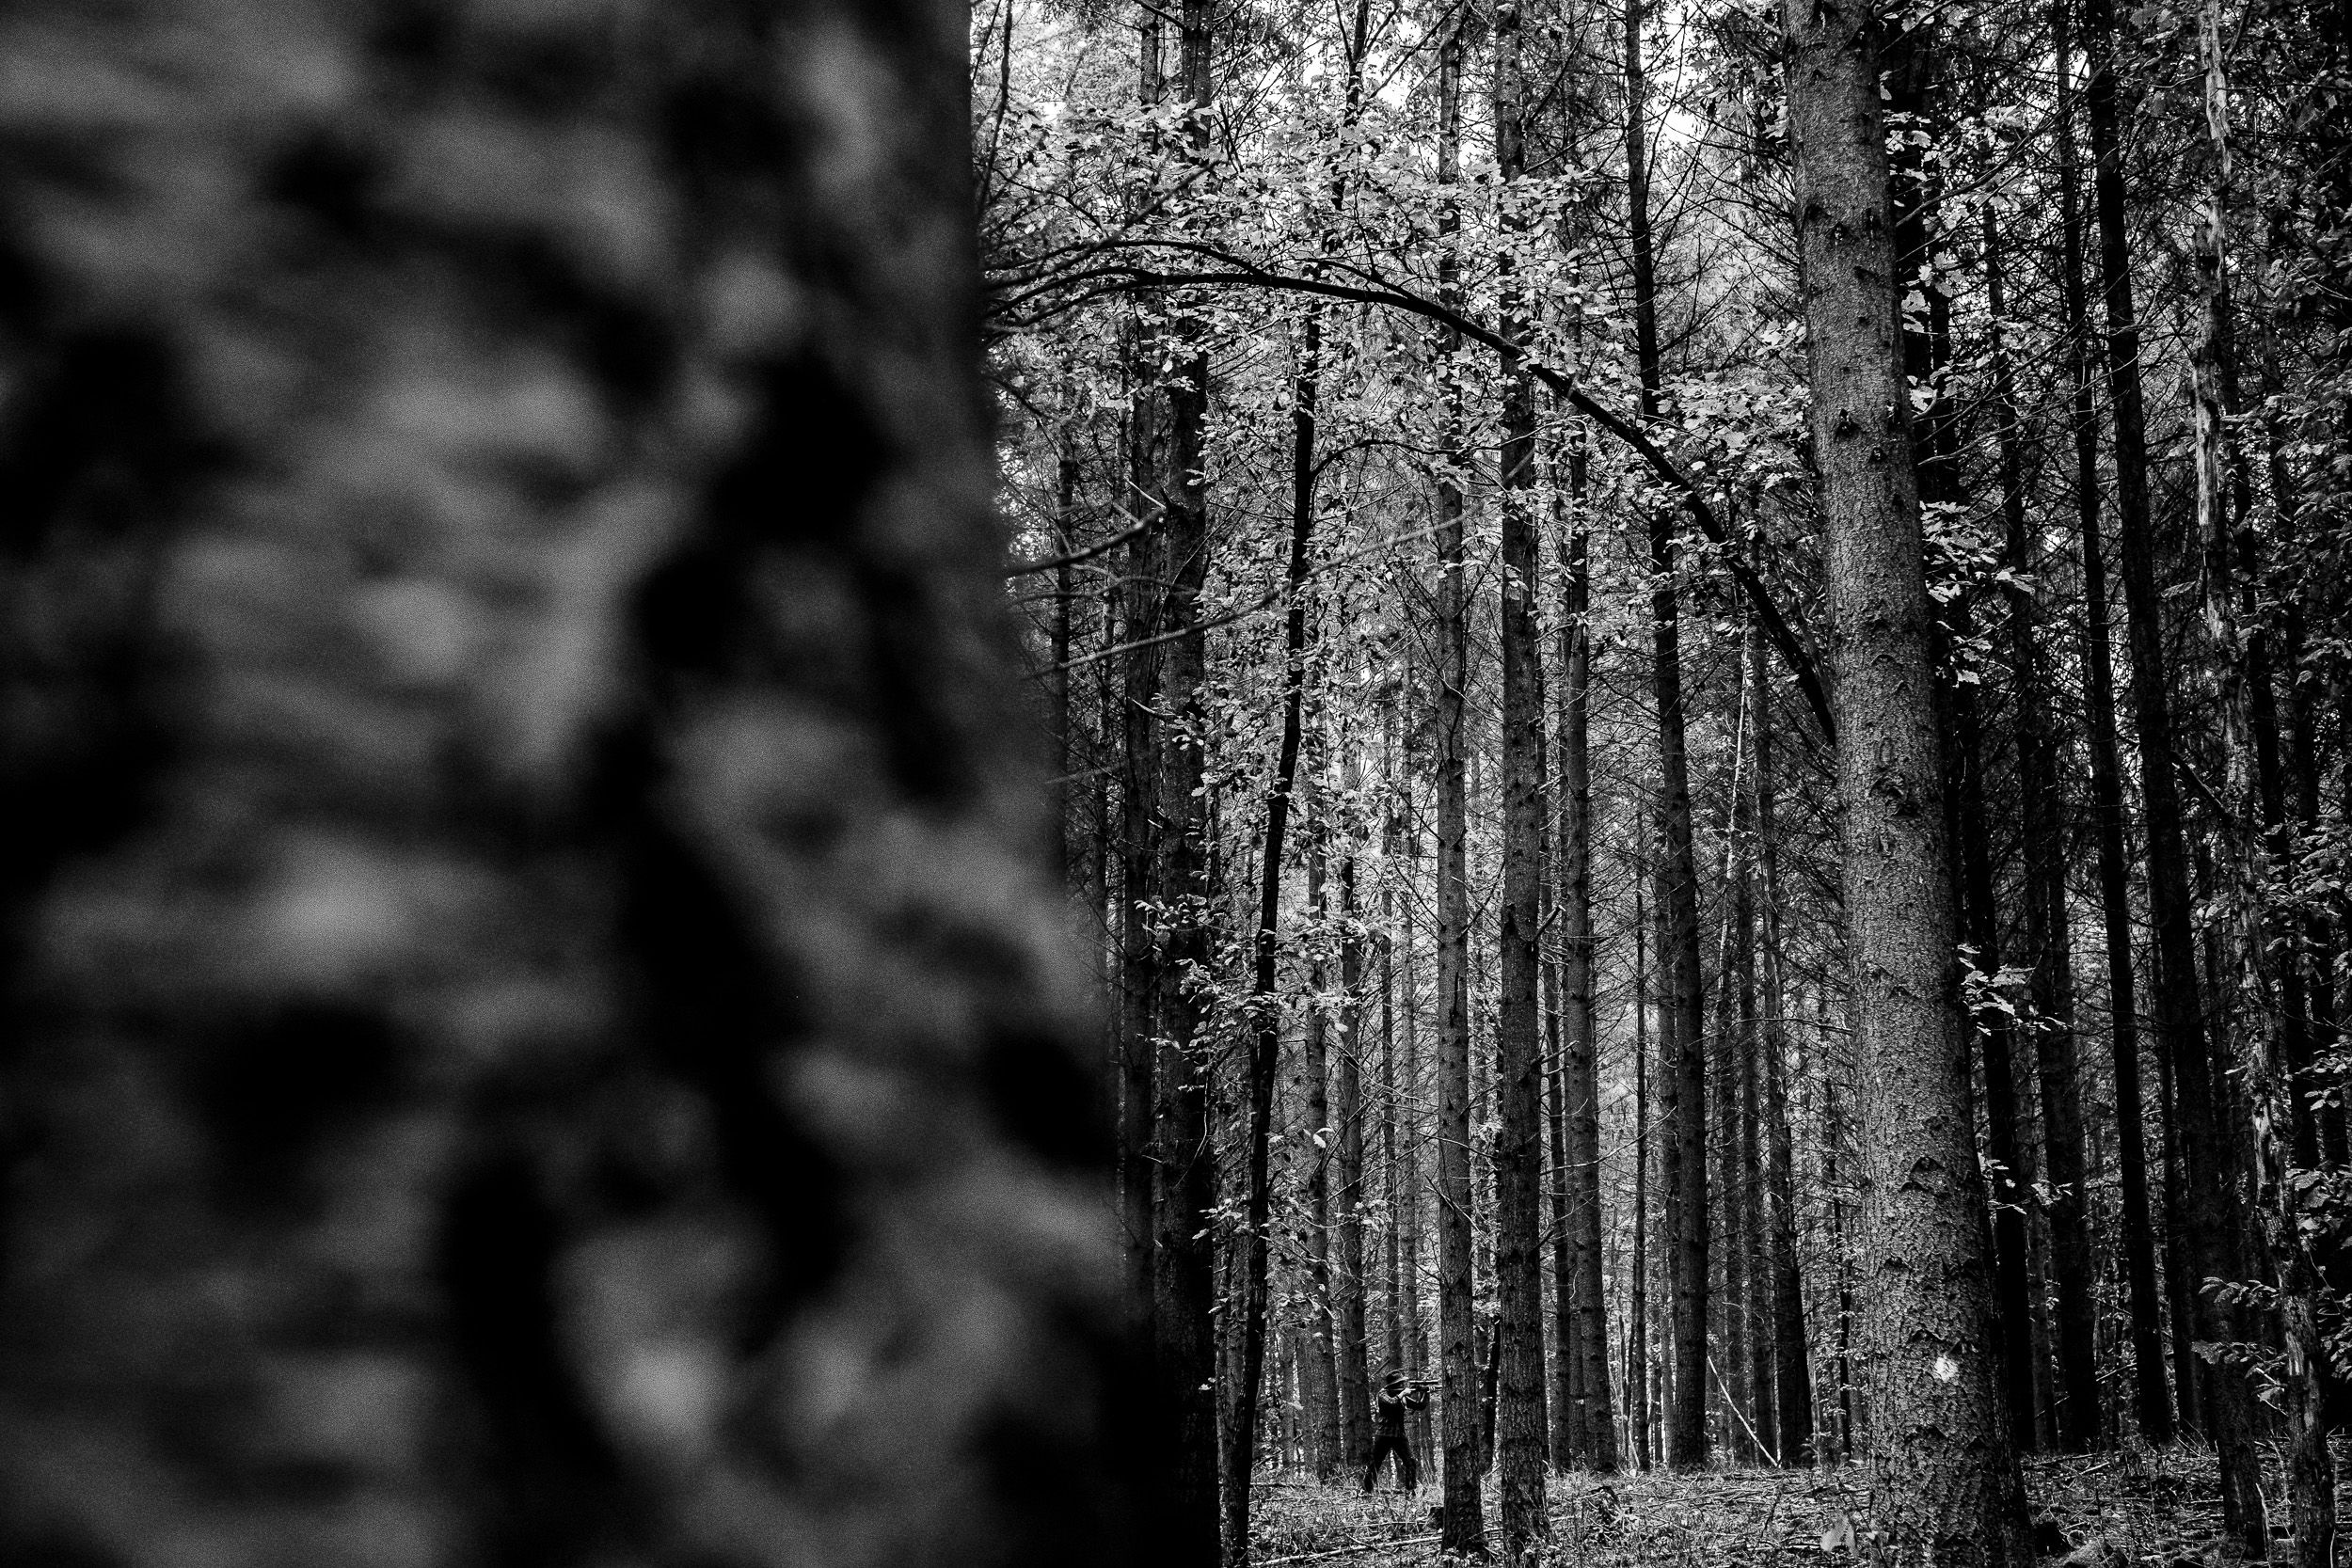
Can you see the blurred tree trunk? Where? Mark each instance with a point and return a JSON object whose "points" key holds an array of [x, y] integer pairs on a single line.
{"points": [[1945, 1482], [538, 1027]]}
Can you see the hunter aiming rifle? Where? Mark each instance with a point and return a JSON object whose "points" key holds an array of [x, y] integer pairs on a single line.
{"points": [[1397, 1395]]}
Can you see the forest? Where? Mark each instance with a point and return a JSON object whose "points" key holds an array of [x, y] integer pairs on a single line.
{"points": [[1151, 783], [1695, 667]]}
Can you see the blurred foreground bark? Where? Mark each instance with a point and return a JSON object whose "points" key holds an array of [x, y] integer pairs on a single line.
{"points": [[532, 1031]]}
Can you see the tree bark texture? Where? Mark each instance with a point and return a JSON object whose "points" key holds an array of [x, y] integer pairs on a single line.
{"points": [[1637, 1376], [1184, 1274], [1347, 1283], [1392, 1185], [1568, 1434], [1756, 1300], [1464, 1526], [1411, 1245], [1586, 1341], [1519, 1152], [539, 1026], [1945, 1480], [1058, 838]]}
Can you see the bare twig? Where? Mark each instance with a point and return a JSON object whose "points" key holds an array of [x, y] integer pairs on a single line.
{"points": [[1028, 568]]}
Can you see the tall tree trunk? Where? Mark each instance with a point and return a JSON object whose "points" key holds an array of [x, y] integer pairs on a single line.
{"points": [[2011, 1157], [1103, 925], [1563, 1404], [2282, 1054], [2216, 1220], [1682, 1079], [1758, 1303], [1946, 1486], [1727, 1371], [2152, 1403], [1464, 1528], [1490, 1379], [1411, 1245], [1185, 1275], [450, 1076], [1057, 709], [1637, 1309], [2189, 1374], [1285, 1420], [1917, 91], [2047, 958], [1585, 1340], [1347, 1284], [1568, 1434], [1140, 824], [1314, 1071], [1793, 1368], [1518, 1152], [2313, 1380], [1838, 1133], [1265, 1015], [2308, 761], [1393, 1186]]}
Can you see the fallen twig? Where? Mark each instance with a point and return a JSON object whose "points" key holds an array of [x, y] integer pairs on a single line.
{"points": [[1343, 1551]]}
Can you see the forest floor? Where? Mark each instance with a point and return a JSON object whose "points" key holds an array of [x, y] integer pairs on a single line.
{"points": [[2134, 1507]]}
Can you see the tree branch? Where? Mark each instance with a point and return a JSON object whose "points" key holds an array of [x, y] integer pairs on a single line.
{"points": [[1028, 568], [1373, 289]]}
